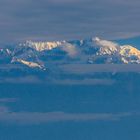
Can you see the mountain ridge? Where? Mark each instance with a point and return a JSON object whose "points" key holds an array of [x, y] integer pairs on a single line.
{"points": [[92, 51]]}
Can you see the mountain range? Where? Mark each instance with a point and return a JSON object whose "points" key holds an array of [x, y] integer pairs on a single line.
{"points": [[40, 55]]}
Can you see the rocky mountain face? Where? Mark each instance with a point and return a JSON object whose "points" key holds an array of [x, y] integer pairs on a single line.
{"points": [[40, 55]]}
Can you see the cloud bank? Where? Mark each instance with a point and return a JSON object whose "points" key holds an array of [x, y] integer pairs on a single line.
{"points": [[7, 116], [105, 82], [30, 118], [68, 19]]}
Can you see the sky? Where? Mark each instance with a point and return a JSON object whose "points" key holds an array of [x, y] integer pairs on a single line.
{"points": [[93, 109], [68, 19]]}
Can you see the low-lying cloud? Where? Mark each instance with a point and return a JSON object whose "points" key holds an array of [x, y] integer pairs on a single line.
{"points": [[30, 118], [105, 43], [70, 49], [21, 80], [8, 116], [90, 69], [105, 82], [8, 100]]}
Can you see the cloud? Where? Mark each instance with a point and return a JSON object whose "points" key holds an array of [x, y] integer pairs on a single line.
{"points": [[105, 43], [3, 101], [84, 82], [7, 116], [27, 118], [68, 19], [70, 49], [7, 100], [90, 69], [4, 109], [21, 80]]}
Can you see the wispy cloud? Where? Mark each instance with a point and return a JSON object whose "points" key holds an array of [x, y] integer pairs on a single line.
{"points": [[105, 82], [21, 80], [4, 109], [87, 68], [70, 49], [85, 81], [3, 102], [105, 43], [8, 100], [28, 118], [7, 116]]}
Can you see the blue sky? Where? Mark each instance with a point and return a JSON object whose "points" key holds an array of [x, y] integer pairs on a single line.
{"points": [[68, 19]]}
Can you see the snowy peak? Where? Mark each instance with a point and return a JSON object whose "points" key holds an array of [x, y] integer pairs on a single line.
{"points": [[130, 54], [94, 51], [41, 46], [128, 50], [106, 47], [124, 54]]}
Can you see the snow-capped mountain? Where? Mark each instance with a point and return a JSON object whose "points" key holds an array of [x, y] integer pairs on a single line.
{"points": [[93, 51]]}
